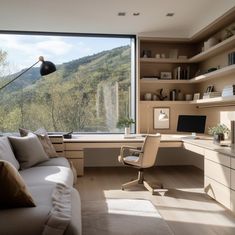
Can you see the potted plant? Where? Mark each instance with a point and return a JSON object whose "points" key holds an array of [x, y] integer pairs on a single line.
{"points": [[218, 132], [125, 122]]}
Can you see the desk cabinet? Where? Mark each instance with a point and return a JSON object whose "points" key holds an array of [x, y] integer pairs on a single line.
{"points": [[76, 156], [217, 179]]}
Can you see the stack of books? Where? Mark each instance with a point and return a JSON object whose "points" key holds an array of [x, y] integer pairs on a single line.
{"points": [[231, 58], [211, 94], [181, 73], [228, 91]]}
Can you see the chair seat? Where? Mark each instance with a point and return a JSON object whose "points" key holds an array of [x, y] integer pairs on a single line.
{"points": [[133, 160]]}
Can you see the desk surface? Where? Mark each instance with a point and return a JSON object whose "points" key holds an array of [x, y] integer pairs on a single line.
{"points": [[167, 140], [120, 138]]}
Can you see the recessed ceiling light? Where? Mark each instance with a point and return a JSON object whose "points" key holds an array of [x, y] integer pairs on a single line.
{"points": [[121, 13], [136, 14], [170, 14]]}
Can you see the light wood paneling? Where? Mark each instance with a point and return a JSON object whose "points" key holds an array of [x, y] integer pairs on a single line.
{"points": [[74, 154], [78, 163]]}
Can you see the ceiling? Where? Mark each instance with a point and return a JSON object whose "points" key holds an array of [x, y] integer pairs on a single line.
{"points": [[100, 16]]}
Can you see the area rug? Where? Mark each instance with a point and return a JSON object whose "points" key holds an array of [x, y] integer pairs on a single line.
{"points": [[122, 217]]}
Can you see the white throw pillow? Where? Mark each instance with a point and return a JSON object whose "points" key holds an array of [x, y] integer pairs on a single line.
{"points": [[28, 150], [6, 152]]}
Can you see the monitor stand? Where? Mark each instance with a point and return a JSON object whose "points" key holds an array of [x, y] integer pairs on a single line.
{"points": [[193, 136]]}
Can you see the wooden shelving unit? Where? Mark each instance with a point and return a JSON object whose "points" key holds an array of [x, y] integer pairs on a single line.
{"points": [[220, 47]]}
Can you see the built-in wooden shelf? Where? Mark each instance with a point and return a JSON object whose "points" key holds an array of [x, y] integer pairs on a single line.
{"points": [[215, 100], [220, 47], [162, 81], [163, 102], [217, 73], [205, 77], [164, 60]]}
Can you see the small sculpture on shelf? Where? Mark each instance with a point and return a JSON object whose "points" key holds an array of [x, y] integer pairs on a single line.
{"points": [[161, 96]]}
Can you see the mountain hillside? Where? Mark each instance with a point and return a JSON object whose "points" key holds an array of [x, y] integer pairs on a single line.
{"points": [[82, 95]]}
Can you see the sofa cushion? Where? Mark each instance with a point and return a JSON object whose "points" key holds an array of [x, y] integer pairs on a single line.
{"points": [[25, 221], [28, 150], [43, 138], [59, 161], [47, 175], [6, 152], [14, 192]]}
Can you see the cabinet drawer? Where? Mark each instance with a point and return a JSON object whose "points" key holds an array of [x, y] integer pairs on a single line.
{"points": [[78, 165], [74, 154], [233, 163], [194, 148], [217, 157], [233, 179], [217, 191], [72, 146], [232, 195], [59, 147], [217, 172]]}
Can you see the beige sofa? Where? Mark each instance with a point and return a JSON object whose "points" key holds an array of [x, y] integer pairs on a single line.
{"points": [[41, 181]]}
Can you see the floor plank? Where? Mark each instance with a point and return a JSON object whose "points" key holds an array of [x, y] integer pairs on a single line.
{"points": [[183, 205]]}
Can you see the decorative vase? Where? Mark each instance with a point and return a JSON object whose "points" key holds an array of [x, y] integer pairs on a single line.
{"points": [[218, 137], [127, 130]]}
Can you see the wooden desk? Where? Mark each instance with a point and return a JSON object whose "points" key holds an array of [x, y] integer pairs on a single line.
{"points": [[219, 162], [74, 148]]}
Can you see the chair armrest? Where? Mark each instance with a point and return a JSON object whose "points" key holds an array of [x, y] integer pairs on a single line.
{"points": [[129, 149]]}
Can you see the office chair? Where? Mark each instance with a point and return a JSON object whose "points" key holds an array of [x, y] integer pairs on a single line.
{"points": [[141, 159]]}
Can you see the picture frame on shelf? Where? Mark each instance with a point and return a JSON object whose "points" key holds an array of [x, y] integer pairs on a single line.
{"points": [[165, 75], [161, 118], [196, 96]]}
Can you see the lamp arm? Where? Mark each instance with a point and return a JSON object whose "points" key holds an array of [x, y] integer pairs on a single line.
{"points": [[19, 75]]}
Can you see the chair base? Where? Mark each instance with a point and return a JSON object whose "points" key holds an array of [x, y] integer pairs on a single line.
{"points": [[140, 180]]}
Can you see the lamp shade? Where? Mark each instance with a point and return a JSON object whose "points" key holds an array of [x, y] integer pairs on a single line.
{"points": [[46, 67]]}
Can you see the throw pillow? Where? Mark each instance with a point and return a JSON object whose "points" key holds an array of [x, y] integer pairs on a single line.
{"points": [[14, 192], [6, 152], [44, 139], [28, 150]]}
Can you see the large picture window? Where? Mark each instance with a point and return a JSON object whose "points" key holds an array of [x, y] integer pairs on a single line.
{"points": [[93, 87]]}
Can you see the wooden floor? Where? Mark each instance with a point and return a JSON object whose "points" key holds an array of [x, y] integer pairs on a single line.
{"points": [[184, 206]]}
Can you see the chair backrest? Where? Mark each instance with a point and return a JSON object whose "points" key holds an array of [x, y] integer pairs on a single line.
{"points": [[150, 149]]}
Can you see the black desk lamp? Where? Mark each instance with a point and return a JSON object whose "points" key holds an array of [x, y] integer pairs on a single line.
{"points": [[46, 68]]}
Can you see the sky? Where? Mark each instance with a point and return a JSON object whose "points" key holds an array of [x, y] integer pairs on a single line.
{"points": [[24, 50]]}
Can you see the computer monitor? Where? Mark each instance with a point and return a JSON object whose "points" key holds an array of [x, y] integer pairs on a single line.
{"points": [[191, 123]]}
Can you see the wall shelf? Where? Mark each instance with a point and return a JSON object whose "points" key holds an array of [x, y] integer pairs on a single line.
{"points": [[201, 78], [220, 47], [161, 81], [217, 73], [164, 60], [215, 100], [164, 102]]}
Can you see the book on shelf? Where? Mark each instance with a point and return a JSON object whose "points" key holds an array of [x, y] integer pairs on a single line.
{"points": [[211, 94], [181, 73], [228, 90], [149, 78]]}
